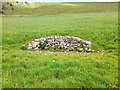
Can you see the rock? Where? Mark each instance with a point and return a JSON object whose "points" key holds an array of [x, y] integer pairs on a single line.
{"points": [[62, 42], [35, 44]]}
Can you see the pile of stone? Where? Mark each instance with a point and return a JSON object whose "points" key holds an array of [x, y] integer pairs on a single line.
{"points": [[67, 43]]}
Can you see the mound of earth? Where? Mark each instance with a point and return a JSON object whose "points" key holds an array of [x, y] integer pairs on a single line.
{"points": [[65, 43]]}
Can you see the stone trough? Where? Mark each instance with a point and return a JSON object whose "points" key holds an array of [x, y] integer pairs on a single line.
{"points": [[58, 43]]}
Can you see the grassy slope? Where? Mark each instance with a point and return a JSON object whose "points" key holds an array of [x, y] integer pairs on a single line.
{"points": [[60, 8], [0, 53], [21, 68]]}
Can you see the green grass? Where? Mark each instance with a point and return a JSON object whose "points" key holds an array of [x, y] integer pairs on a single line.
{"points": [[22, 68], [60, 8], [99, 28]]}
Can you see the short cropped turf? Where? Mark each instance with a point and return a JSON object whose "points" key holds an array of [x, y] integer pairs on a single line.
{"points": [[24, 68]]}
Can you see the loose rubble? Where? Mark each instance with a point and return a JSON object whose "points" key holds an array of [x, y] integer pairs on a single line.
{"points": [[60, 43]]}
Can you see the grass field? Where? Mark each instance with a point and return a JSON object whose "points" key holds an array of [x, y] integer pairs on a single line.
{"points": [[22, 68], [63, 8]]}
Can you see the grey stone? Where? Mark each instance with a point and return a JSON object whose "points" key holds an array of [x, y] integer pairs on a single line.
{"points": [[66, 42]]}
